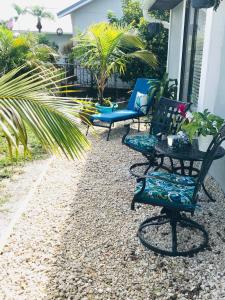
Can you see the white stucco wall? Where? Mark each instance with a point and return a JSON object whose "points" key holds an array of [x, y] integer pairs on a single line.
{"points": [[212, 83], [94, 12], [176, 41], [212, 87]]}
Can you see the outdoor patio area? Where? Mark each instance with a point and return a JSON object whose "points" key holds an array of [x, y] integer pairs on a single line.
{"points": [[77, 238]]}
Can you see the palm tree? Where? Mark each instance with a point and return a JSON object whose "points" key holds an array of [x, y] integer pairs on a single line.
{"points": [[19, 10], [32, 99], [40, 13], [105, 49]]}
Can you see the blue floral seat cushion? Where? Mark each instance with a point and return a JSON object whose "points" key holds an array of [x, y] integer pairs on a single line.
{"points": [[141, 142], [175, 193]]}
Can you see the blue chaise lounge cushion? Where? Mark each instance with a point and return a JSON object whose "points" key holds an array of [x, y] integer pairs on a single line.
{"points": [[116, 116]]}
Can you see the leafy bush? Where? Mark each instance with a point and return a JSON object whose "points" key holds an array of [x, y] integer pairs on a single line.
{"points": [[166, 87], [25, 48], [158, 44]]}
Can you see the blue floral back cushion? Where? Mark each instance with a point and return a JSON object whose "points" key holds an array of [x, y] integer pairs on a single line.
{"points": [[141, 103]]}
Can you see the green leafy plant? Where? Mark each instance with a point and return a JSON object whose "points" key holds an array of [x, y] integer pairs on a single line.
{"points": [[101, 49], [132, 17], [201, 123], [164, 88], [22, 49], [106, 102], [31, 99]]}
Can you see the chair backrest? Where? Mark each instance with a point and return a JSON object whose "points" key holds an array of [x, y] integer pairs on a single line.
{"points": [[166, 117], [208, 160], [142, 85]]}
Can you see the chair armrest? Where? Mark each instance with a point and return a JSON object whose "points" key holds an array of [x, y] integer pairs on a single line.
{"points": [[120, 102]]}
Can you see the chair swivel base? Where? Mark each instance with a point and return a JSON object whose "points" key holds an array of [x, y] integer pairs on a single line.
{"points": [[184, 223]]}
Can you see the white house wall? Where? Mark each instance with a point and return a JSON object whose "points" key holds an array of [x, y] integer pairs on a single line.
{"points": [[176, 41], [212, 87], [212, 83], [94, 12]]}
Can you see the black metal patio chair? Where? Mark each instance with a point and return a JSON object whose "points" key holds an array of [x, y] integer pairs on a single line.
{"points": [[165, 119], [177, 195]]}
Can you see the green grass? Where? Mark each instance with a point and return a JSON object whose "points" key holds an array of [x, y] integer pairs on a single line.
{"points": [[3, 200], [8, 166]]}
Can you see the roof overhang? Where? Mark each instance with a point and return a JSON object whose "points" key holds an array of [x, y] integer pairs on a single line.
{"points": [[149, 5], [73, 7], [164, 4]]}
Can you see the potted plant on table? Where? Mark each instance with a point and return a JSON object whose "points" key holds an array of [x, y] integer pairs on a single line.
{"points": [[105, 50], [202, 125]]}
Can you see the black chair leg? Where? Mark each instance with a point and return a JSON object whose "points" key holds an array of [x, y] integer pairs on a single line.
{"points": [[133, 205], [211, 199], [110, 128], [139, 124], [174, 236]]}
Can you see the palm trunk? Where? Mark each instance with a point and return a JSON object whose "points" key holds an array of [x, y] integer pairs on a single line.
{"points": [[39, 26], [101, 87]]}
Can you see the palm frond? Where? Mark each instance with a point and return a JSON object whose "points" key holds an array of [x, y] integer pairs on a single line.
{"points": [[145, 56], [30, 99], [132, 40]]}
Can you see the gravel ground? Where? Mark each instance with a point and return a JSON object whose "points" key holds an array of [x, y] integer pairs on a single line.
{"points": [[77, 239], [16, 189]]}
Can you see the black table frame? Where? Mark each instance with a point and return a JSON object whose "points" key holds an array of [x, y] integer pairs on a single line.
{"points": [[187, 153]]}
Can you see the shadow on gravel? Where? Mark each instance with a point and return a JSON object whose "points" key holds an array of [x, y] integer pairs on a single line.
{"points": [[100, 256]]}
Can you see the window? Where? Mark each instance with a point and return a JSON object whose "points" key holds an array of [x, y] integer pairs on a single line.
{"points": [[192, 54]]}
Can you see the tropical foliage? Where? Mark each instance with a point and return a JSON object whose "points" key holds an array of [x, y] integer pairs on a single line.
{"points": [[32, 100], [201, 123], [157, 44], [25, 48], [165, 87], [106, 48]]}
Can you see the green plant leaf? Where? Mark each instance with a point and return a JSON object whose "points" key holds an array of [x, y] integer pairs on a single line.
{"points": [[31, 99]]}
